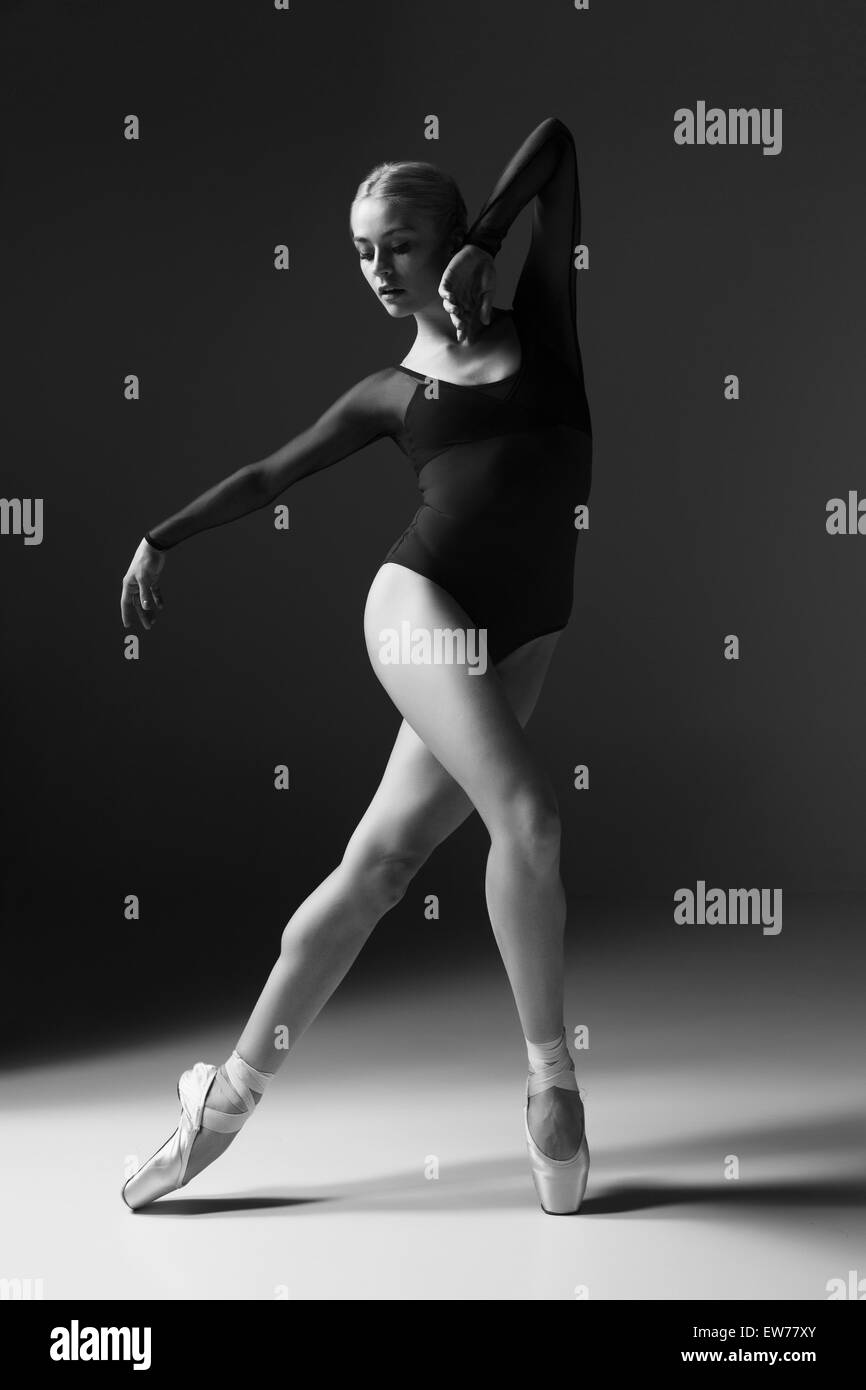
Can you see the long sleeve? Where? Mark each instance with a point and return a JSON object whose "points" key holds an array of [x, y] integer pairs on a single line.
{"points": [[543, 168], [368, 411]]}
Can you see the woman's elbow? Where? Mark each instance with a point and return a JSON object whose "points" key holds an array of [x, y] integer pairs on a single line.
{"points": [[558, 127]]}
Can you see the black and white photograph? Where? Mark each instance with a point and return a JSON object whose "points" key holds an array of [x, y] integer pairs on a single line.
{"points": [[432, 553]]}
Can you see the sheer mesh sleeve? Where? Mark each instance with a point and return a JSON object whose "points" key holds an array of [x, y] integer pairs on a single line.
{"points": [[370, 410], [544, 168]]}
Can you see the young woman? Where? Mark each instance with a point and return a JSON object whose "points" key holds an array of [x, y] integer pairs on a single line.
{"points": [[490, 408]]}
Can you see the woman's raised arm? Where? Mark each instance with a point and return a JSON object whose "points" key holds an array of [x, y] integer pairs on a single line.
{"points": [[543, 168]]}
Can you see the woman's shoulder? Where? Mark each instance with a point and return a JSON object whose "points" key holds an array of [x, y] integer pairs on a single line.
{"points": [[378, 400], [375, 387]]}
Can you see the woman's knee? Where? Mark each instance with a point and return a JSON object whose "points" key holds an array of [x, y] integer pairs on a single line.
{"points": [[378, 871], [529, 826]]}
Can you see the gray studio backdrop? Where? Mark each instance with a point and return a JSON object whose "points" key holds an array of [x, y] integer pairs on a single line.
{"points": [[708, 515]]}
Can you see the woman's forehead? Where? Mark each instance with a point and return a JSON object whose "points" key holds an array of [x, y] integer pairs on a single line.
{"points": [[380, 217]]}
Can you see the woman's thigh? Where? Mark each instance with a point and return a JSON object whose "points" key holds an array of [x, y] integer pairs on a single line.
{"points": [[462, 744], [418, 804]]}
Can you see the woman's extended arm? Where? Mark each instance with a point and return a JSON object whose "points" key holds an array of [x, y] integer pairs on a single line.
{"points": [[362, 414], [543, 168], [370, 409]]}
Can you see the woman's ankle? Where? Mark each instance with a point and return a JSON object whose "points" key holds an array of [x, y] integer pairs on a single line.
{"points": [[223, 1095]]}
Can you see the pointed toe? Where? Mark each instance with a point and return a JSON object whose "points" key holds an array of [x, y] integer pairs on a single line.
{"points": [[560, 1184], [165, 1171]]}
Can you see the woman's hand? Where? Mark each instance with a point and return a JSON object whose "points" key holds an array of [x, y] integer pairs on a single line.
{"points": [[467, 288], [140, 593]]}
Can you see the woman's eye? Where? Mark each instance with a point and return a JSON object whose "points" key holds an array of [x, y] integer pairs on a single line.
{"points": [[395, 250]]}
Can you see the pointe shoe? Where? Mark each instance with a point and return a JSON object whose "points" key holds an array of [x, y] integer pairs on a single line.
{"points": [[559, 1182], [165, 1171]]}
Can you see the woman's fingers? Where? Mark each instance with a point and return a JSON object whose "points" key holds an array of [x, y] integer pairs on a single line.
{"points": [[466, 289], [150, 599], [144, 605], [468, 311], [457, 312], [130, 604], [470, 324], [459, 309], [140, 593], [135, 600], [482, 310], [127, 605]]}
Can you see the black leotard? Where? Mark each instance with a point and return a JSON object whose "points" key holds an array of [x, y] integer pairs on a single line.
{"points": [[501, 466]]}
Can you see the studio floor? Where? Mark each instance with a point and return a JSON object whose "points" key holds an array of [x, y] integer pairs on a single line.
{"points": [[387, 1160]]}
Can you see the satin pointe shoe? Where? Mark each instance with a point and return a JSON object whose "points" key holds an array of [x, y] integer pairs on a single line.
{"points": [[559, 1183], [165, 1171]]}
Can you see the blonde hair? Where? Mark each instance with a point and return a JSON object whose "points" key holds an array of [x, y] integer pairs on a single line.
{"points": [[422, 186]]}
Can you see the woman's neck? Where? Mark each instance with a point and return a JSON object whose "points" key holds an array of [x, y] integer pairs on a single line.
{"points": [[436, 335], [434, 330]]}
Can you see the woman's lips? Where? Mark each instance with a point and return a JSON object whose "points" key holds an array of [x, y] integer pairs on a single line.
{"points": [[390, 293]]}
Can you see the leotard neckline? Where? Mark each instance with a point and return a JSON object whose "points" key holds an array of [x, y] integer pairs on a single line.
{"points": [[474, 385], [461, 385]]}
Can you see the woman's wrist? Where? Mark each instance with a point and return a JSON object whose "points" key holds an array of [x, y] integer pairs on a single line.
{"points": [[489, 243], [148, 540]]}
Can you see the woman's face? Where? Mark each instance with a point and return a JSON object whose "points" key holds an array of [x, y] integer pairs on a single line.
{"points": [[401, 247]]}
